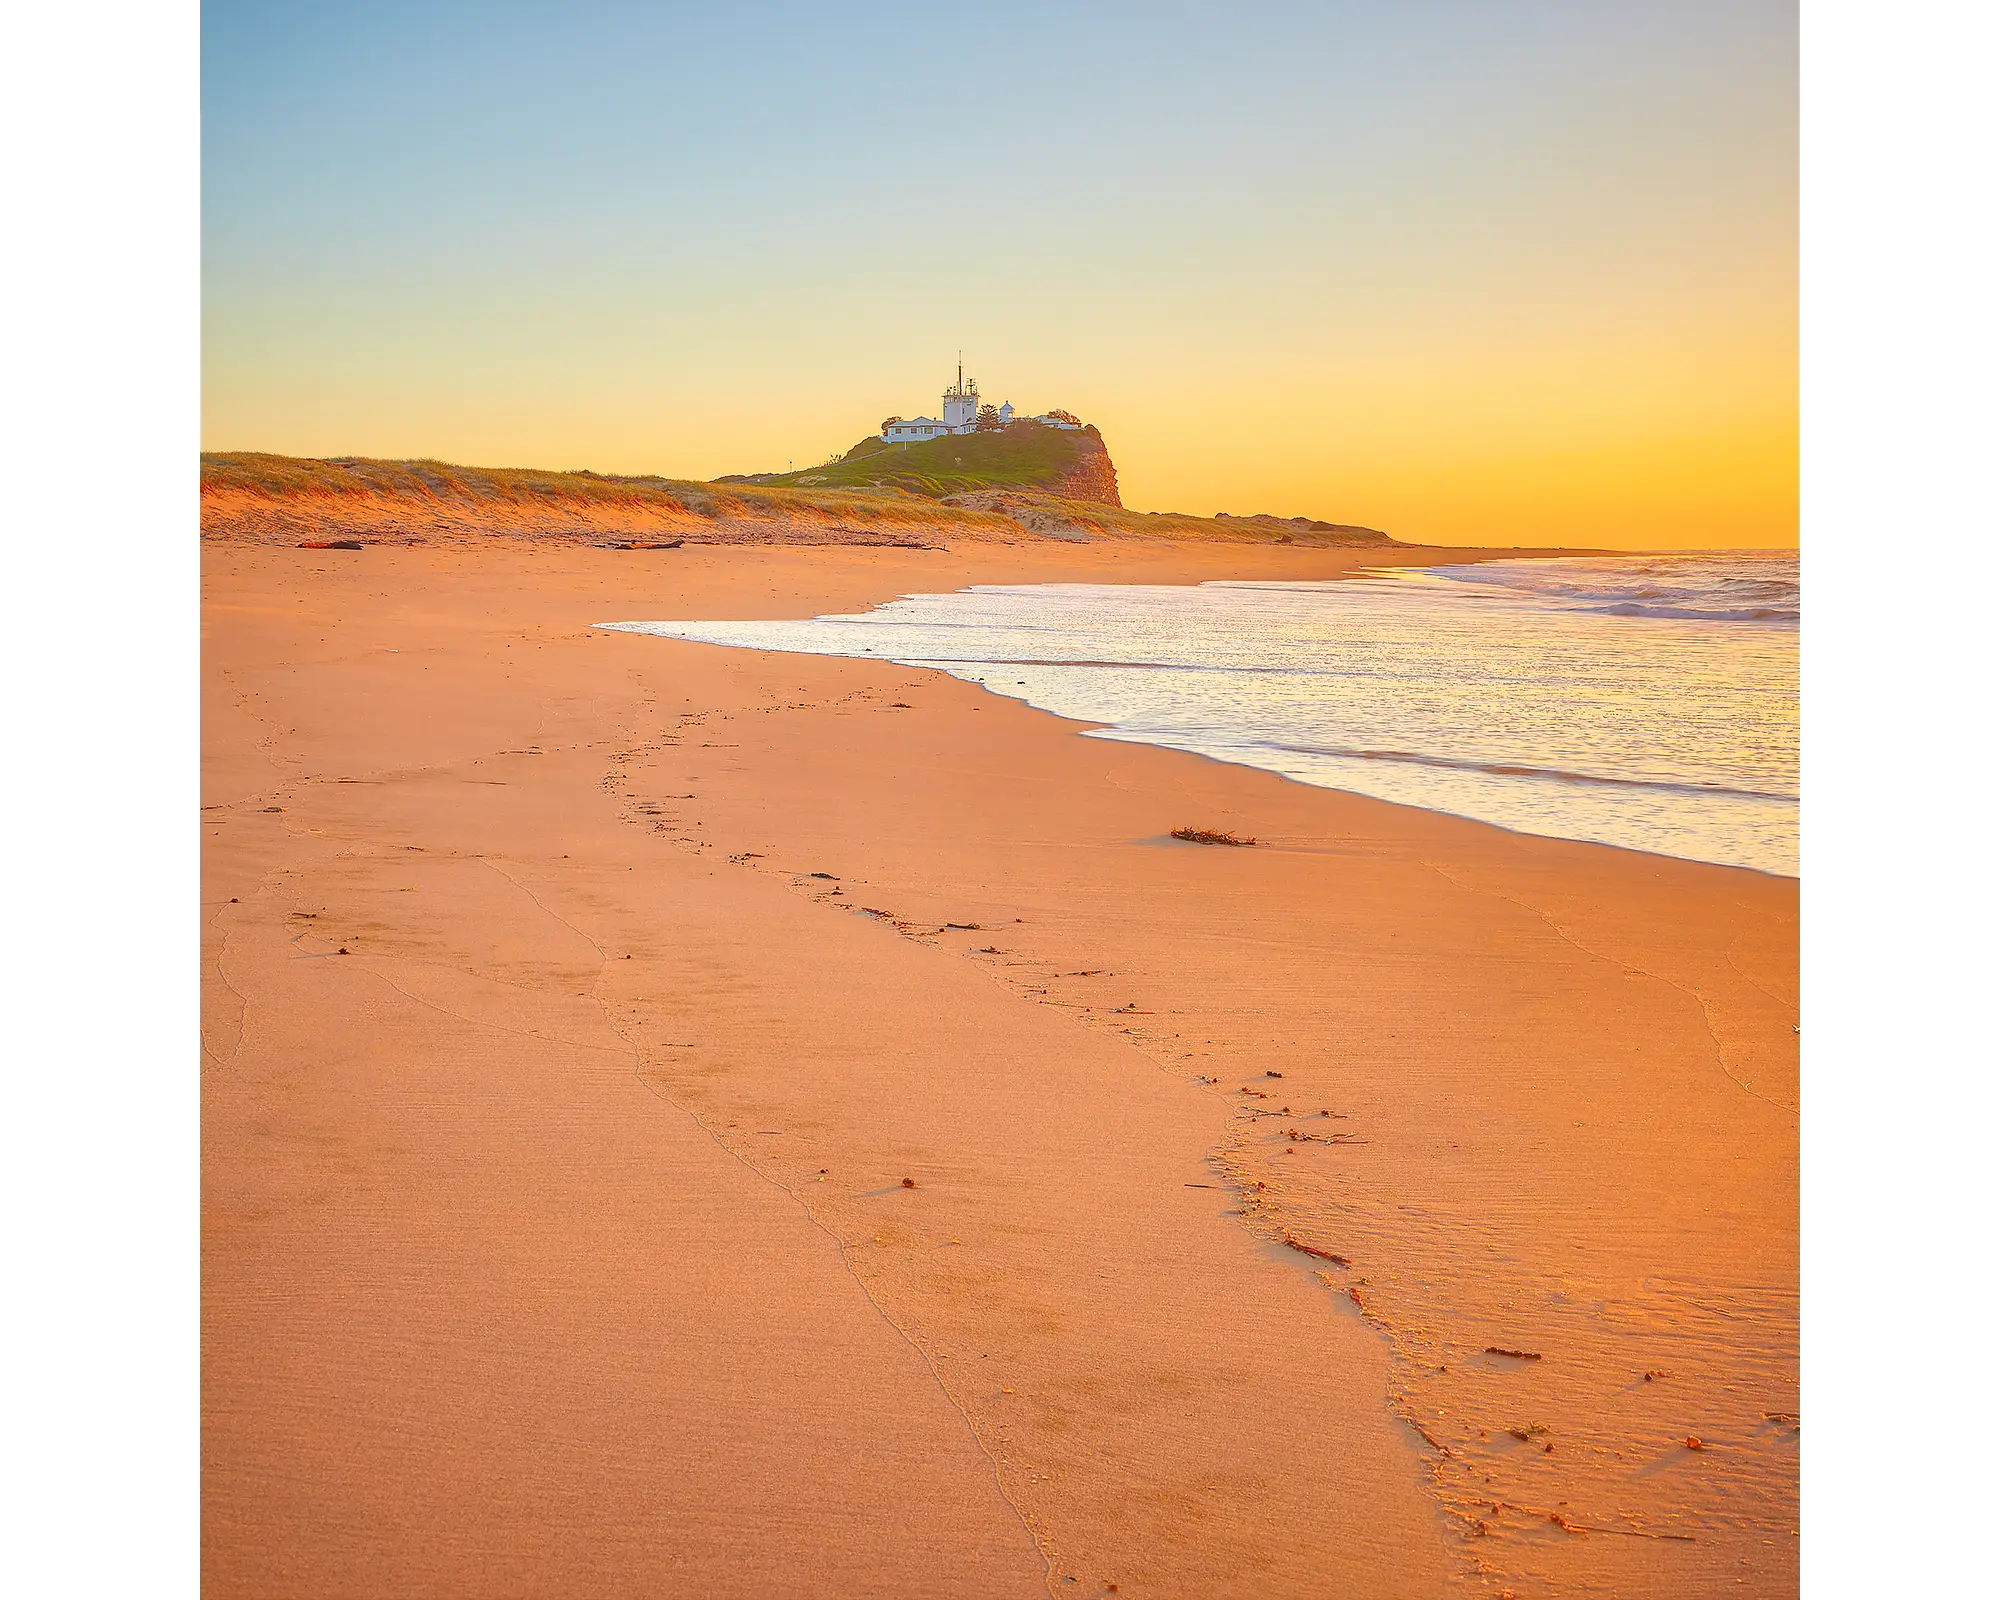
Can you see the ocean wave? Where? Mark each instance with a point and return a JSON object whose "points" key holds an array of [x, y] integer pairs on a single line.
{"points": [[1637, 608], [1511, 769], [1195, 668], [1755, 588]]}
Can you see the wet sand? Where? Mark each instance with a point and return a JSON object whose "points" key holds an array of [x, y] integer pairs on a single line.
{"points": [[556, 1235]]}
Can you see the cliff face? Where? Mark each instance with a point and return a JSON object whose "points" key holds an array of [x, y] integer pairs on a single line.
{"points": [[1091, 476]]}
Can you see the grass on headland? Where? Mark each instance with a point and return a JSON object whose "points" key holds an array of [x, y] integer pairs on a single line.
{"points": [[1025, 455]]}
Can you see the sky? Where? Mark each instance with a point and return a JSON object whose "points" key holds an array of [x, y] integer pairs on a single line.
{"points": [[1477, 272]]}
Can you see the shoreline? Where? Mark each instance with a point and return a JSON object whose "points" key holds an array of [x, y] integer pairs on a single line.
{"points": [[712, 632], [1081, 728], [504, 846]]}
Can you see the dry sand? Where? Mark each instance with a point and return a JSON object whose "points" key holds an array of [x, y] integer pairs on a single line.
{"points": [[556, 1236]]}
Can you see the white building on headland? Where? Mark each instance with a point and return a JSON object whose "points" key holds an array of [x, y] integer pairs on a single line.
{"points": [[961, 415]]}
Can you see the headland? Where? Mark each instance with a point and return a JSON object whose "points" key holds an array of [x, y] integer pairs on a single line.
{"points": [[1024, 481]]}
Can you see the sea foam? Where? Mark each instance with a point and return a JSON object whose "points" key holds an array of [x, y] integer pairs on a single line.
{"points": [[1649, 702]]}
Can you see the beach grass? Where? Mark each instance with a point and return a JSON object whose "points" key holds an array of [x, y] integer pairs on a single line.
{"points": [[294, 479], [979, 502]]}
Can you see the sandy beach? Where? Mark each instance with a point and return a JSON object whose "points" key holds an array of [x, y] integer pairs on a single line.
{"points": [[680, 1120]]}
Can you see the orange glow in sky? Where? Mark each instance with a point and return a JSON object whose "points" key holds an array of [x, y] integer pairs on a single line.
{"points": [[1469, 273]]}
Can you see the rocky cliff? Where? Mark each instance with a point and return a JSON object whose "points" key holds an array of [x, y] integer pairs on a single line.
{"points": [[1091, 476]]}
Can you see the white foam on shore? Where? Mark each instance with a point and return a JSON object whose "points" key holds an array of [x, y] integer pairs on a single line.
{"points": [[1649, 702]]}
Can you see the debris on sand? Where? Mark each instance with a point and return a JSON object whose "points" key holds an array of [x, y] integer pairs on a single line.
{"points": [[1303, 1248], [1208, 836], [1514, 1355]]}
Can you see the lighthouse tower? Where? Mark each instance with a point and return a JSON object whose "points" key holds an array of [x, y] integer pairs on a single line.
{"points": [[961, 402]]}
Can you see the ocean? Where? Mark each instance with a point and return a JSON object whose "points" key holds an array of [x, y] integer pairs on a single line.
{"points": [[1649, 702]]}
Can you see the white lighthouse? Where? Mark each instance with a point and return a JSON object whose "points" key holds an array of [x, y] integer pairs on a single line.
{"points": [[960, 414], [961, 402]]}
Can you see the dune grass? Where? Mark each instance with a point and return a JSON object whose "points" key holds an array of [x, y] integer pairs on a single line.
{"points": [[290, 478], [984, 491]]}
